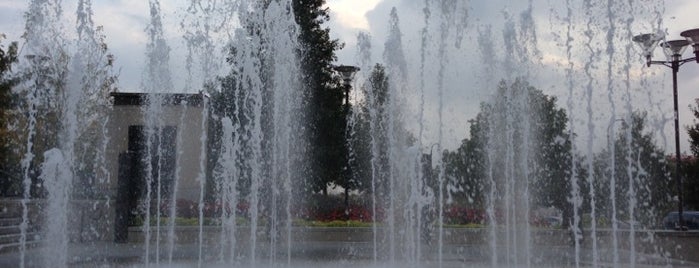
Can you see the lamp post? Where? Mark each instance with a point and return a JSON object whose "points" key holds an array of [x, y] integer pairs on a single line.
{"points": [[432, 149], [673, 49], [347, 73], [612, 184]]}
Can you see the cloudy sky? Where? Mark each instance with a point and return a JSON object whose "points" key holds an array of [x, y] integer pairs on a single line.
{"points": [[466, 82], [467, 77]]}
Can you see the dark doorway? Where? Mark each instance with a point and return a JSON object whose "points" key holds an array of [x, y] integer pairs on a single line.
{"points": [[134, 165]]}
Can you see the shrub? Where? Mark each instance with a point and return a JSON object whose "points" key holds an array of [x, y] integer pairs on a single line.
{"points": [[463, 215]]}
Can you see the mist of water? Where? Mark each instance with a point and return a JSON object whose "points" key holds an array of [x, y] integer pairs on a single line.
{"points": [[255, 167], [66, 79]]}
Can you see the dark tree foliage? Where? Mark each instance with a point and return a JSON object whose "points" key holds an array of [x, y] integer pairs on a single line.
{"points": [[323, 155], [379, 90], [7, 56], [693, 131], [690, 185], [369, 131], [553, 152], [9, 164], [360, 149], [641, 174], [324, 116], [224, 103], [231, 103], [538, 156], [465, 168]]}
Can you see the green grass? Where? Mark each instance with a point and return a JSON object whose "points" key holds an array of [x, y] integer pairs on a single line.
{"points": [[240, 221], [180, 221], [468, 225]]}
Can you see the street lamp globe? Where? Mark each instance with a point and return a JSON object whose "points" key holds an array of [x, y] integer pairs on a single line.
{"points": [[675, 48], [693, 38], [648, 42], [346, 72]]}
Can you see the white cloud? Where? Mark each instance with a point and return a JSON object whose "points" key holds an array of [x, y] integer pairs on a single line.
{"points": [[351, 14], [465, 83], [12, 19]]}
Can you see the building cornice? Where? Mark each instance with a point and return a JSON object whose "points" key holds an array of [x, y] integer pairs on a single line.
{"points": [[141, 99]]}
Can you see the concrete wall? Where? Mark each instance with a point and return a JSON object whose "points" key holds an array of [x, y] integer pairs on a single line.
{"points": [[88, 220], [187, 119]]}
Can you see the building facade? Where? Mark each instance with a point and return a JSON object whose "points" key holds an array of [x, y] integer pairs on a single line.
{"points": [[164, 145]]}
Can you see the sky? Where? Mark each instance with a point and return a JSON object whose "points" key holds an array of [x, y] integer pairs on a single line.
{"points": [[461, 102], [467, 77]]}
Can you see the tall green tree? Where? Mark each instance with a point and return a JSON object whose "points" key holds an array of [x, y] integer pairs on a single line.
{"points": [[368, 139], [324, 113], [520, 134], [378, 100], [465, 168], [9, 164], [690, 184], [642, 176], [693, 130]]}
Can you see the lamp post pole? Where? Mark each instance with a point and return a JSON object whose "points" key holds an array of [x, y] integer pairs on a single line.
{"points": [[674, 48], [347, 74], [348, 174], [678, 158], [612, 185], [431, 158]]}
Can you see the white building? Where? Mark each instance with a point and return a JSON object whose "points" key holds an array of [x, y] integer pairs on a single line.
{"points": [[180, 131]]}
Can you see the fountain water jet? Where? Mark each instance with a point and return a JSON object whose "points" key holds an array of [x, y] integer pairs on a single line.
{"points": [[253, 160]]}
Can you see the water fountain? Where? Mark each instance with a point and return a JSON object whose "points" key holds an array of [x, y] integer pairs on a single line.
{"points": [[236, 173]]}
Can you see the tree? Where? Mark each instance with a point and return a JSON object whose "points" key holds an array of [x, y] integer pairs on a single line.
{"points": [[63, 97], [465, 168], [240, 104], [642, 175], [693, 131], [324, 114], [519, 138], [360, 149], [368, 139], [9, 164], [690, 185], [229, 113]]}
